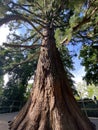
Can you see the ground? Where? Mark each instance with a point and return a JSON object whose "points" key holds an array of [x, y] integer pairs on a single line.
{"points": [[4, 118]]}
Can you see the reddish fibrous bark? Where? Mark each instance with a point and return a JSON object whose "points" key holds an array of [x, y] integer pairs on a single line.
{"points": [[51, 105]]}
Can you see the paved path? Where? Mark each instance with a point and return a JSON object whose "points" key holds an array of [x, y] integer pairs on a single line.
{"points": [[4, 118], [95, 121]]}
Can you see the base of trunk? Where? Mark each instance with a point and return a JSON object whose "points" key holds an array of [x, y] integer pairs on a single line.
{"points": [[48, 110]]}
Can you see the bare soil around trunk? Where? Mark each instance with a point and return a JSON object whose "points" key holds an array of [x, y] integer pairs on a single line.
{"points": [[4, 118]]}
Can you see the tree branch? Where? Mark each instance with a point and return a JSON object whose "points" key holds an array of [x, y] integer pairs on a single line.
{"points": [[25, 9], [9, 18], [16, 17], [14, 65], [22, 46], [85, 20]]}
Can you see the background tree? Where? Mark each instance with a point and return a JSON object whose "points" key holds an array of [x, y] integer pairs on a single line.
{"points": [[1, 76], [87, 91], [89, 55], [51, 104], [19, 75], [92, 91]]}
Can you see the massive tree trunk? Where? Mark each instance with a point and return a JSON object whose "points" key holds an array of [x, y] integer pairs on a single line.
{"points": [[51, 105]]}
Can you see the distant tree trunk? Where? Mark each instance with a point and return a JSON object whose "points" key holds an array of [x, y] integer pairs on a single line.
{"points": [[51, 105]]}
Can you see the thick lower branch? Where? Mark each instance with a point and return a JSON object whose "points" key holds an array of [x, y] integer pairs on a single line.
{"points": [[21, 46], [9, 18]]}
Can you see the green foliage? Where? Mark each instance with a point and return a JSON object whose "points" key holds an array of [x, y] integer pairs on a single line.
{"points": [[1, 90], [89, 56], [11, 91], [12, 97], [92, 91], [1, 84], [19, 72], [3, 8], [86, 91], [28, 90]]}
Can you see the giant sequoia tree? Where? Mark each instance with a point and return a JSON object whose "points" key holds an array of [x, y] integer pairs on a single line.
{"points": [[51, 105]]}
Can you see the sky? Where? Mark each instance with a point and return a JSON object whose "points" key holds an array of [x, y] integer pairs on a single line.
{"points": [[4, 31], [79, 70]]}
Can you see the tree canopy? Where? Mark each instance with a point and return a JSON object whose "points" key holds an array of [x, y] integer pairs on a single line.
{"points": [[77, 21], [21, 51]]}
